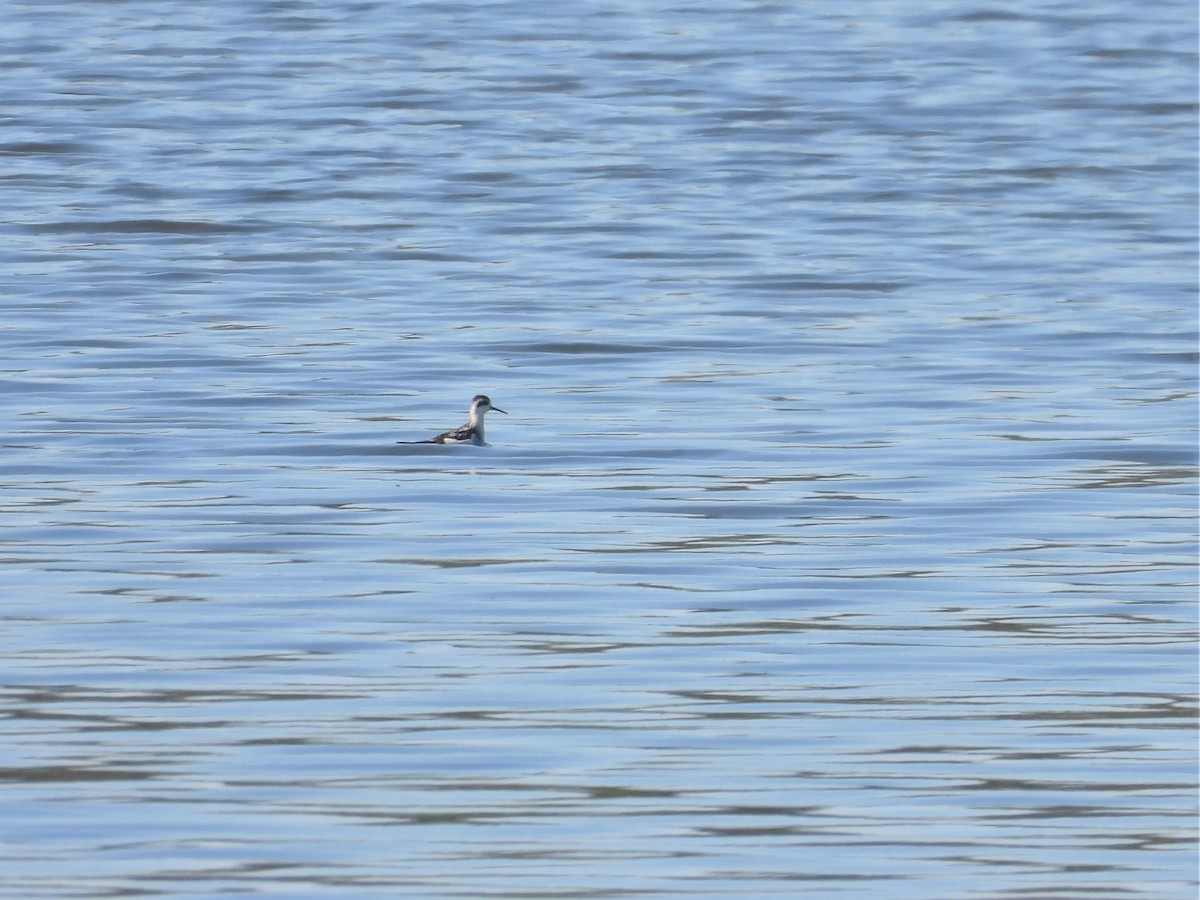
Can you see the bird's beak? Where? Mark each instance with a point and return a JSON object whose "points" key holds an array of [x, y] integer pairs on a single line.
{"points": [[498, 409]]}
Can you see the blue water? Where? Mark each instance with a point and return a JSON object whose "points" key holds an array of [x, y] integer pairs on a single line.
{"points": [[839, 541]]}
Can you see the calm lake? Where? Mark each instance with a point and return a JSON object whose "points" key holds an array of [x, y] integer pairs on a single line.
{"points": [[840, 539]]}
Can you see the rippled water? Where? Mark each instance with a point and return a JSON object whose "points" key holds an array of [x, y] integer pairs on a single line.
{"points": [[840, 540]]}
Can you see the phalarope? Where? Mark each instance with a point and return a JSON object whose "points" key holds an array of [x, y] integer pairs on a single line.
{"points": [[472, 432]]}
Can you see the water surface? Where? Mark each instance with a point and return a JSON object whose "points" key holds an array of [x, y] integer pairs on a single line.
{"points": [[840, 540]]}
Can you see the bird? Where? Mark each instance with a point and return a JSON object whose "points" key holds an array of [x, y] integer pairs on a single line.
{"points": [[472, 432]]}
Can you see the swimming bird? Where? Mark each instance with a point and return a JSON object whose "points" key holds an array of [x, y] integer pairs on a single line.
{"points": [[472, 432]]}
